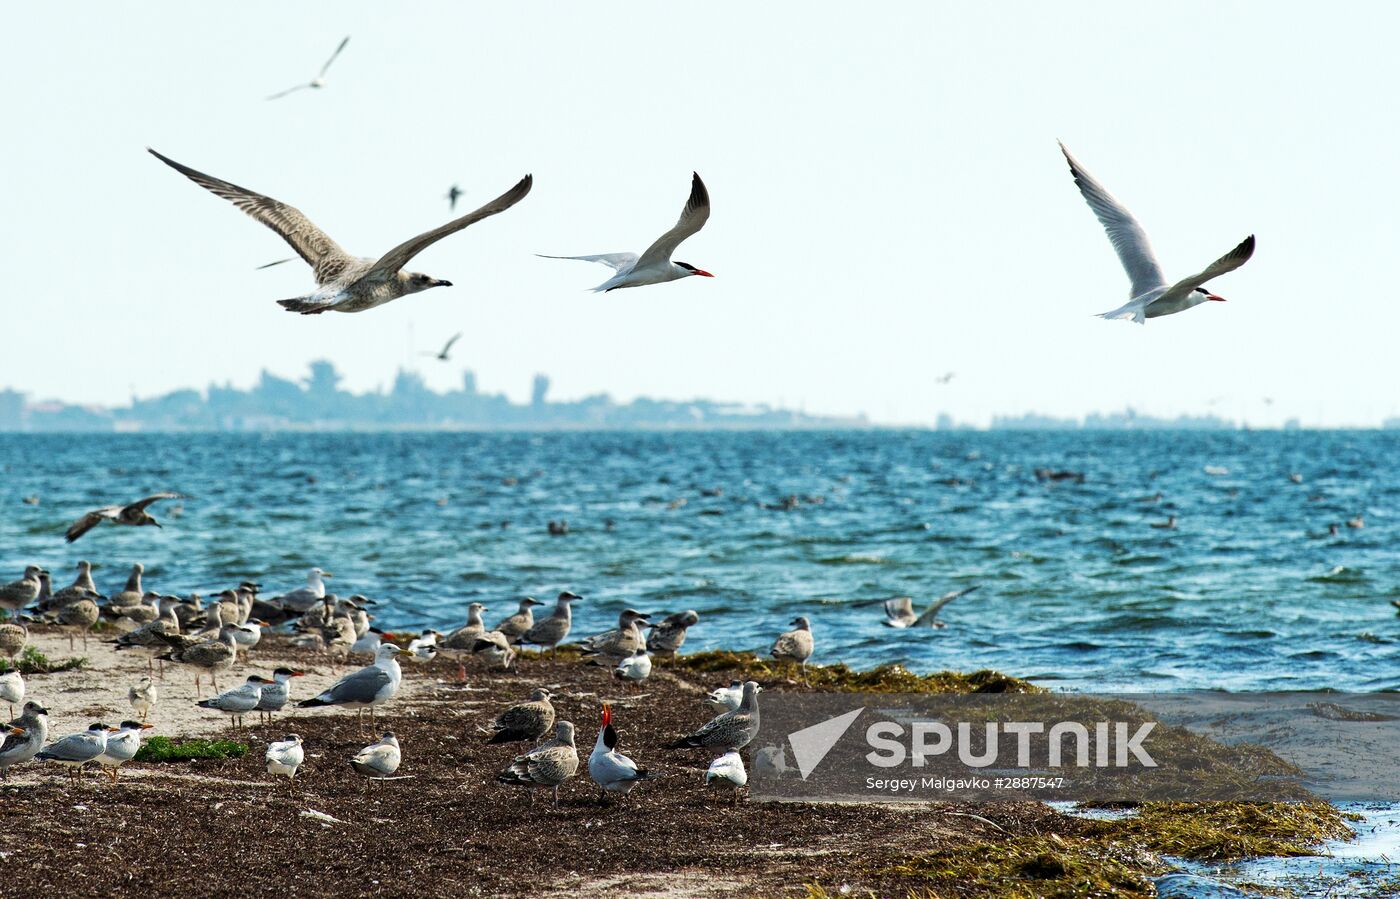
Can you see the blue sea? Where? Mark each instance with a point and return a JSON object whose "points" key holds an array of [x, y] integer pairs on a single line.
{"points": [[1077, 589]]}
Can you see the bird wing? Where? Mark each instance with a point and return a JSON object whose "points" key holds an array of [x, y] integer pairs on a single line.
{"points": [[324, 255], [448, 346], [614, 261], [157, 497], [361, 686], [339, 47], [271, 264], [1124, 232], [899, 607], [73, 748], [90, 521], [399, 256], [280, 94], [1227, 263], [693, 218], [931, 612]]}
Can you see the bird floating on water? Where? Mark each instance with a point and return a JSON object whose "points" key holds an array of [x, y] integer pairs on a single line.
{"points": [[654, 266], [345, 283], [320, 80], [1149, 296]]}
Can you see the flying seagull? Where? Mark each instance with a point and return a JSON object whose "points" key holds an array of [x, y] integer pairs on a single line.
{"points": [[320, 80], [655, 266], [945, 377], [133, 514], [445, 355], [1150, 295], [453, 193], [345, 283]]}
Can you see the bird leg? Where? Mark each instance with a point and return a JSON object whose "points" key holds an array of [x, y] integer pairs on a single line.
{"points": [[162, 668], [461, 673]]}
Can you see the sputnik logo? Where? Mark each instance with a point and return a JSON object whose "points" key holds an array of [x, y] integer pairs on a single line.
{"points": [[811, 744]]}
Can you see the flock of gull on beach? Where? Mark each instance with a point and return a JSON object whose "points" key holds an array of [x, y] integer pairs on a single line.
{"points": [[209, 637]]}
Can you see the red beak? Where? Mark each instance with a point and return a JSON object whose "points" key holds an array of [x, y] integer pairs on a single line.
{"points": [[1215, 297], [702, 273]]}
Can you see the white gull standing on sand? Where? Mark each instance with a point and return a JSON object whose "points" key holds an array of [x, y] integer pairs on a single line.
{"points": [[285, 756], [364, 689]]}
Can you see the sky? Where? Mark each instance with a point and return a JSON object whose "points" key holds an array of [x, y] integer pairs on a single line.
{"points": [[889, 203]]}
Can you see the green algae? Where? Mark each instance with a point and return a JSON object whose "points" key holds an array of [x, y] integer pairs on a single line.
{"points": [[842, 678], [164, 749]]}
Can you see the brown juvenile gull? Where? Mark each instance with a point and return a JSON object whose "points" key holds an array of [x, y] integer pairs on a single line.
{"points": [[148, 639], [81, 615], [143, 697], [731, 730], [796, 644], [212, 656], [547, 765], [667, 636], [496, 648], [621, 641], [13, 637], [18, 594], [549, 632], [18, 748], [515, 626], [366, 688], [82, 585], [144, 612], [133, 514], [899, 612], [320, 80], [131, 594], [378, 760], [459, 643], [346, 283], [527, 720]]}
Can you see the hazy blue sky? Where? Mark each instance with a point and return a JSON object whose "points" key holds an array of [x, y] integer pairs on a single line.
{"points": [[888, 199]]}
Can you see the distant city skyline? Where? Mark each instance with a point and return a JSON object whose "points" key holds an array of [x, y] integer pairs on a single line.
{"points": [[889, 203]]}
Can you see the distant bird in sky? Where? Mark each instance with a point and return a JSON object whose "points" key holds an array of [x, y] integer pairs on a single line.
{"points": [[445, 354], [452, 195], [345, 283], [1150, 296], [132, 514], [655, 266], [320, 80], [271, 264], [945, 378]]}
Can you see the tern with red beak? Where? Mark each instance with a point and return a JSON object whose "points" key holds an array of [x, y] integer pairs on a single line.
{"points": [[1150, 296], [654, 266]]}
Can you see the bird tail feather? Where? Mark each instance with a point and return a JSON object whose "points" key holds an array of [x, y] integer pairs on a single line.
{"points": [[303, 306]]}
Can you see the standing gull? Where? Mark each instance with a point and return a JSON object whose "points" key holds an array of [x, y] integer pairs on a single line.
{"points": [[667, 636], [514, 627], [345, 283], [527, 720], [320, 80], [547, 765], [460, 642], [212, 656], [1149, 295], [654, 266], [131, 594], [549, 632], [303, 598], [635, 668], [80, 615], [143, 697], [378, 760], [18, 594], [366, 688], [730, 730], [726, 699], [496, 648], [11, 689], [82, 585], [795, 645], [899, 612], [13, 637], [621, 641], [18, 748], [122, 746], [727, 772], [285, 756], [148, 639], [132, 514]]}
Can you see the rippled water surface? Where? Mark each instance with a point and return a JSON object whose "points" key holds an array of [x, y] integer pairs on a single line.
{"points": [[1077, 589]]}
